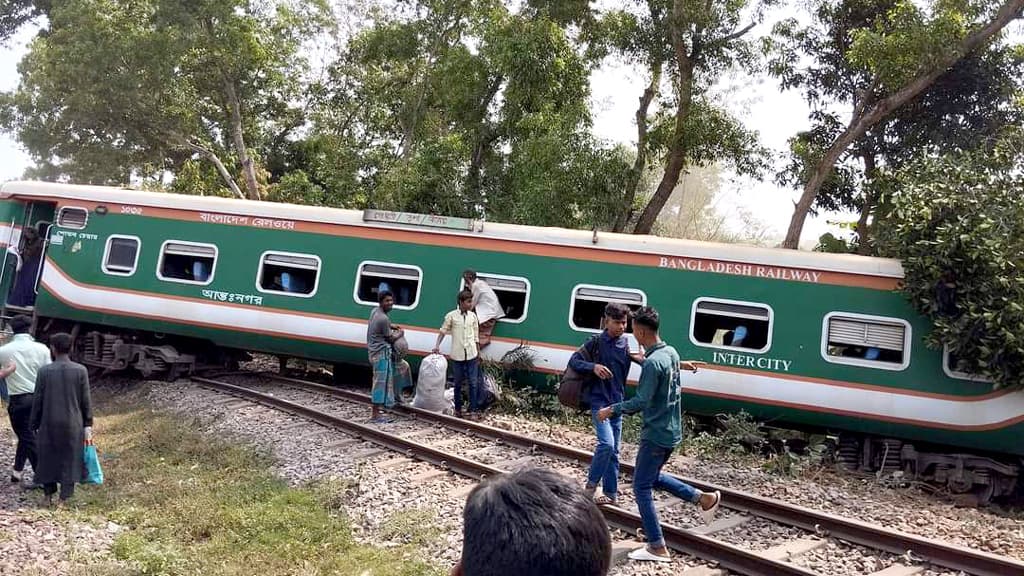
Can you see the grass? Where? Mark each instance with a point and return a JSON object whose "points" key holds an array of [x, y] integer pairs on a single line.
{"points": [[195, 505]]}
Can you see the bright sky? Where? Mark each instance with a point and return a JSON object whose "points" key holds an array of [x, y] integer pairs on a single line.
{"points": [[616, 88]]}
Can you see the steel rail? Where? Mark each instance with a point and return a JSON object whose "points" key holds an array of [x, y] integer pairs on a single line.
{"points": [[919, 548], [726, 555]]}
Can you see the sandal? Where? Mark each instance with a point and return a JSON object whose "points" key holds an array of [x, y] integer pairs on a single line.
{"points": [[709, 515], [603, 500]]}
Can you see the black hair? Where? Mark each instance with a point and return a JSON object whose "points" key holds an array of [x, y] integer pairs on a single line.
{"points": [[471, 274], [648, 318], [533, 523], [61, 343], [616, 311], [21, 324], [384, 294], [464, 295]]}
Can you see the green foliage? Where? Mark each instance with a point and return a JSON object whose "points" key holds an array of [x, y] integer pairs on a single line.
{"points": [[833, 245], [958, 225]]}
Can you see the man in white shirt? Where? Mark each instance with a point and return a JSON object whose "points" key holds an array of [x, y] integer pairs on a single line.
{"points": [[20, 360], [462, 325], [486, 304]]}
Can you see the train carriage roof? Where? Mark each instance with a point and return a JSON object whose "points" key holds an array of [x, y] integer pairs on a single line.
{"points": [[669, 247]]}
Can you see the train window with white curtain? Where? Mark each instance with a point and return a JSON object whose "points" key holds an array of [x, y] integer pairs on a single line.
{"points": [[862, 340], [402, 280], [951, 366], [187, 262], [513, 294], [121, 255], [586, 312], [287, 273], [731, 324], [72, 217]]}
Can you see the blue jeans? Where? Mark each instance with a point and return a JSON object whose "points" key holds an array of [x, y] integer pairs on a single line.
{"points": [[468, 370], [3, 390], [650, 458], [604, 466]]}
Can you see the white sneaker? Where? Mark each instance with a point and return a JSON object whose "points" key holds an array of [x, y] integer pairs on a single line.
{"points": [[708, 515], [644, 555], [15, 477]]}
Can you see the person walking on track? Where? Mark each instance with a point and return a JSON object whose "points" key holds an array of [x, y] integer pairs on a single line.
{"points": [[659, 396], [20, 361], [61, 420]]}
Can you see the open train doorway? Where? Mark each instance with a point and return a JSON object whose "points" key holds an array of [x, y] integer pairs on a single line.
{"points": [[28, 237]]}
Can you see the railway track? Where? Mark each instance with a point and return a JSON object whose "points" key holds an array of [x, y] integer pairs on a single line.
{"points": [[483, 441]]}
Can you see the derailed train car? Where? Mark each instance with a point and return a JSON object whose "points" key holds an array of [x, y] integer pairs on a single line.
{"points": [[162, 283]]}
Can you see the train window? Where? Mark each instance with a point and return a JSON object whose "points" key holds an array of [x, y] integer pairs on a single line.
{"points": [[513, 294], [950, 365], [286, 273], [121, 256], [870, 341], [187, 262], [732, 325], [586, 311], [72, 217], [402, 280]]}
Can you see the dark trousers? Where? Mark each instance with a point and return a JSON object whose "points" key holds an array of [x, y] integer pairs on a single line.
{"points": [[20, 412], [468, 370], [66, 490]]}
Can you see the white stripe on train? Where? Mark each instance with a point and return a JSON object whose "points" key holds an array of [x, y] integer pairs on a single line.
{"points": [[923, 411]]}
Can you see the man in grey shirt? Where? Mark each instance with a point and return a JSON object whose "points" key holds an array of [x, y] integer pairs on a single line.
{"points": [[380, 334]]}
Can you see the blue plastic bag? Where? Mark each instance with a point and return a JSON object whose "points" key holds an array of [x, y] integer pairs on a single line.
{"points": [[91, 461]]}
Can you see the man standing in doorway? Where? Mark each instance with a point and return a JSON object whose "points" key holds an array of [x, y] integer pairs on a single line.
{"points": [[485, 304], [610, 362], [380, 334], [464, 329], [659, 396], [21, 359]]}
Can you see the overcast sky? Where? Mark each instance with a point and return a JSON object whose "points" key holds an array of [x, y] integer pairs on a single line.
{"points": [[760, 104]]}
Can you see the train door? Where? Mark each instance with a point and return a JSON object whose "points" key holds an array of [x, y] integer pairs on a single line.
{"points": [[23, 267]]}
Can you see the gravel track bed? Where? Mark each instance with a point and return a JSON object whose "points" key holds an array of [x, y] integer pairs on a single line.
{"points": [[33, 540]]}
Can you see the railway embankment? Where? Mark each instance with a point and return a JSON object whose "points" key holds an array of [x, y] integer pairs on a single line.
{"points": [[180, 498]]}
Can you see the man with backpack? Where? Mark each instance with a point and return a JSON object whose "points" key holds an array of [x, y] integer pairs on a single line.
{"points": [[607, 358]]}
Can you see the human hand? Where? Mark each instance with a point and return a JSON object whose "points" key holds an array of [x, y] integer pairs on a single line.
{"points": [[10, 368], [436, 350], [88, 433], [691, 365], [604, 414], [602, 372]]}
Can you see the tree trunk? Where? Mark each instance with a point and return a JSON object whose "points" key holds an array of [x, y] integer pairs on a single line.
{"points": [[677, 153], [238, 136], [863, 230], [640, 164], [867, 117], [486, 135], [221, 168]]}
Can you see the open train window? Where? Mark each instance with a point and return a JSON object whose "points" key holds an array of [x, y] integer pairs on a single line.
{"points": [[951, 366], [287, 273], [121, 256], [72, 217], [402, 280], [732, 325], [870, 341], [587, 308], [187, 262], [513, 294]]}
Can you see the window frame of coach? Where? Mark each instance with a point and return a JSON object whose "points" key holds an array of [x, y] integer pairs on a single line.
{"points": [[867, 319], [738, 315], [628, 303], [105, 263], [359, 274], [163, 253], [262, 263], [499, 277]]}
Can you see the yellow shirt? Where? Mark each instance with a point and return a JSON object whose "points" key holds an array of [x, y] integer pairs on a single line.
{"points": [[28, 356], [464, 328]]}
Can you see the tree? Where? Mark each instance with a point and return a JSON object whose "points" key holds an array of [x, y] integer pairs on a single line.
{"points": [[958, 226], [903, 54], [968, 103], [113, 89], [16, 13]]}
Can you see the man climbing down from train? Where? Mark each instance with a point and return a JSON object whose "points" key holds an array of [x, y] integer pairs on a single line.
{"points": [[609, 363], [380, 334], [20, 360], [462, 325], [659, 396], [485, 304]]}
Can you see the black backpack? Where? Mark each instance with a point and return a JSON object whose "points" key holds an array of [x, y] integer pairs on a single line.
{"points": [[574, 388]]}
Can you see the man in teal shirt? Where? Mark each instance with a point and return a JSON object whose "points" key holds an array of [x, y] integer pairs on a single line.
{"points": [[659, 397], [20, 360]]}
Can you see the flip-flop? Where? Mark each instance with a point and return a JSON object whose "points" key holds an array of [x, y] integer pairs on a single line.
{"points": [[603, 500], [644, 555], [709, 515]]}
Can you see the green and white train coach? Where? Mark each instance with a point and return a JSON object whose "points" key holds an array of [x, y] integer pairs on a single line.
{"points": [[156, 281]]}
